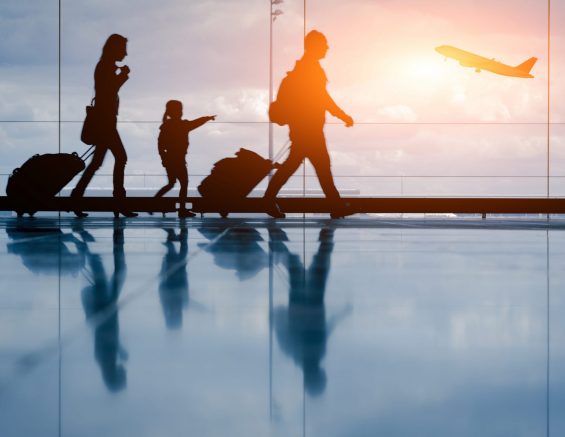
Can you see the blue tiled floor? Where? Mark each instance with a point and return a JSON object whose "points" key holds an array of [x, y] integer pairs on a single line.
{"points": [[147, 327]]}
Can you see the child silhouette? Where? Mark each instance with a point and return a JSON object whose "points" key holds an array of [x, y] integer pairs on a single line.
{"points": [[173, 145]]}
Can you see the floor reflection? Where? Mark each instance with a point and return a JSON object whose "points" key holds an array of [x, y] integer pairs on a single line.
{"points": [[301, 327], [45, 250], [173, 278], [236, 248], [99, 300], [462, 333]]}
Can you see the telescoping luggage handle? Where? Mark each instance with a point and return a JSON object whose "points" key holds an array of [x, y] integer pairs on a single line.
{"points": [[282, 151], [89, 152]]}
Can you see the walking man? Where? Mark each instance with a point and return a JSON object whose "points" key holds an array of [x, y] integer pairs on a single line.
{"points": [[302, 102]]}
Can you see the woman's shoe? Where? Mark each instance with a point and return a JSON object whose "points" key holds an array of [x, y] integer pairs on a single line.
{"points": [[75, 196], [186, 213]]}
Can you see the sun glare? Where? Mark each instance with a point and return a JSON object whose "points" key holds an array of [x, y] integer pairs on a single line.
{"points": [[428, 71]]}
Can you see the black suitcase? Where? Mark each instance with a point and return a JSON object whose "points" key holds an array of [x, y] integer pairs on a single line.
{"points": [[233, 178], [31, 186]]}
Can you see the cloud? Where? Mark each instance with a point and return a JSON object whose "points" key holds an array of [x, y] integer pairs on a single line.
{"points": [[398, 113], [213, 55]]}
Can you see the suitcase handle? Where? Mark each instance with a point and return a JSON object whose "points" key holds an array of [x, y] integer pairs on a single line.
{"points": [[281, 152], [89, 152]]}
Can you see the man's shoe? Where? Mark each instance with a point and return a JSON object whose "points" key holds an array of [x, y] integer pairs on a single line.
{"points": [[273, 210], [341, 211]]}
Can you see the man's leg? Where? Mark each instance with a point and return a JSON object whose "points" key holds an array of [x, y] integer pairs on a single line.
{"points": [[283, 173], [320, 160]]}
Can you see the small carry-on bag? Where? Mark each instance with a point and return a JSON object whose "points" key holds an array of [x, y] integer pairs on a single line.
{"points": [[233, 178], [31, 186]]}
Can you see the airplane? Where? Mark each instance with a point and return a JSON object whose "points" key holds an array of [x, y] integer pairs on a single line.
{"points": [[467, 59]]}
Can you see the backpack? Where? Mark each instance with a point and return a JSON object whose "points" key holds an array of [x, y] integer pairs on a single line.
{"points": [[282, 109]]}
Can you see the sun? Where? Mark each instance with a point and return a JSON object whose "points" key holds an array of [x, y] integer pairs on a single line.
{"points": [[426, 70]]}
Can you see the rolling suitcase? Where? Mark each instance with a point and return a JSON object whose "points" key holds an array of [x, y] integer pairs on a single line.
{"points": [[234, 178], [31, 186]]}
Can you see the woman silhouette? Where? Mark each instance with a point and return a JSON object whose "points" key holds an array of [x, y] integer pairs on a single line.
{"points": [[108, 79]]}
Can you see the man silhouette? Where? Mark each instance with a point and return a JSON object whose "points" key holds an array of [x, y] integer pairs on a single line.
{"points": [[310, 101], [302, 327]]}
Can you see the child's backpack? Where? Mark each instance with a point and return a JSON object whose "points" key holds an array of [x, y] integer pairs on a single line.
{"points": [[282, 109]]}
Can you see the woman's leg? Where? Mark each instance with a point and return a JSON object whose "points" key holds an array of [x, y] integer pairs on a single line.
{"points": [[117, 148], [97, 160]]}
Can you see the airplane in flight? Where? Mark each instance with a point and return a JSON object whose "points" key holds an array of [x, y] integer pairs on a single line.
{"points": [[468, 59]]}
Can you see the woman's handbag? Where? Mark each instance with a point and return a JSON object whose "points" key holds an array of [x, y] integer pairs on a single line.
{"points": [[90, 125]]}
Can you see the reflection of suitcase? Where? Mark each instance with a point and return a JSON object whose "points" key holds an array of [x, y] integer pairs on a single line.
{"points": [[233, 178], [40, 178]]}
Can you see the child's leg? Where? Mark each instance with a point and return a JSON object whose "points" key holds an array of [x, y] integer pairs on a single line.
{"points": [[170, 184], [182, 175]]}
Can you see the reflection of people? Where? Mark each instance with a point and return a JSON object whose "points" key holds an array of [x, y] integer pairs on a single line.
{"points": [[173, 285], [306, 125], [173, 145], [302, 328], [48, 251], [100, 306], [107, 84], [238, 249]]}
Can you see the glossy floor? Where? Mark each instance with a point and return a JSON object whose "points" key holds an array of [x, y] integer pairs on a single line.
{"points": [[147, 327]]}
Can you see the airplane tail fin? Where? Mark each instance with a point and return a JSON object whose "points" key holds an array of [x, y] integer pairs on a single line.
{"points": [[528, 65]]}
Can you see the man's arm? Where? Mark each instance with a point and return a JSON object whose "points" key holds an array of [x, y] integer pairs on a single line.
{"points": [[336, 111]]}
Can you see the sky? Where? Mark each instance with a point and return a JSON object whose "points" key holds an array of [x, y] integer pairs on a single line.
{"points": [[417, 114]]}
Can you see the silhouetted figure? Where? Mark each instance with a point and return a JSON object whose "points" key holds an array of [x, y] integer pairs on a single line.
{"points": [[306, 125], [173, 146], [302, 328], [100, 302], [108, 79], [238, 249], [173, 285]]}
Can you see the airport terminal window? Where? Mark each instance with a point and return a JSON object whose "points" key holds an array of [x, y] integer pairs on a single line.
{"points": [[420, 119]]}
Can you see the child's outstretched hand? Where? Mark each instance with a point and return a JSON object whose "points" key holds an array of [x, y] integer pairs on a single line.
{"points": [[212, 117]]}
